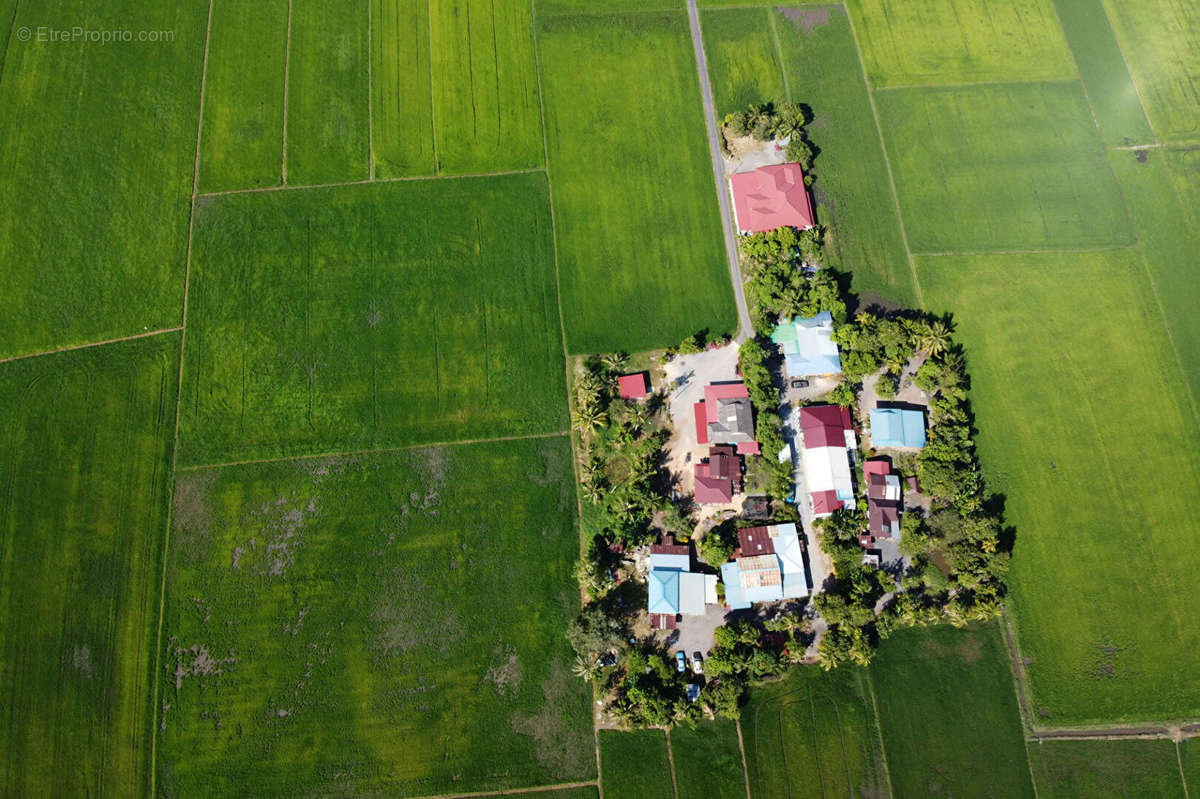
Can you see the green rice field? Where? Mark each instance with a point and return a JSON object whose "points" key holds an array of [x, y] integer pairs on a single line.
{"points": [[640, 249], [374, 316], [241, 145], [949, 714], [634, 765], [1001, 167], [1160, 40], [1086, 429], [327, 93], [814, 734], [85, 451], [1110, 89], [372, 624], [93, 220], [455, 89], [1106, 769], [820, 67], [708, 761], [1189, 760], [924, 42]]}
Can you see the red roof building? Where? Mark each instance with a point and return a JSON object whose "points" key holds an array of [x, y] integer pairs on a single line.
{"points": [[771, 197], [719, 477], [825, 425], [826, 502], [725, 416], [755, 541], [634, 386]]}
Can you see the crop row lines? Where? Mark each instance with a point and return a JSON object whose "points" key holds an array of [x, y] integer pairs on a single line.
{"points": [[402, 179]]}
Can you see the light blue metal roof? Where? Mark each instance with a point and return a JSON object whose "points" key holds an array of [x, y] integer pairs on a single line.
{"points": [[733, 586], [808, 345], [659, 560], [897, 427], [664, 591]]}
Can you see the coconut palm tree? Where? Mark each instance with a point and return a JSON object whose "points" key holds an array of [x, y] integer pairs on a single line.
{"points": [[588, 419], [615, 361], [933, 338], [586, 668]]}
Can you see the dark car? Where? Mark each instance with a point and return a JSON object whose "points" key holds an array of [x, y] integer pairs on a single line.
{"points": [[799, 382]]}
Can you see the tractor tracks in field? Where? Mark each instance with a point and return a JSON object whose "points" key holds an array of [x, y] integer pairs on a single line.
{"points": [[90, 344]]}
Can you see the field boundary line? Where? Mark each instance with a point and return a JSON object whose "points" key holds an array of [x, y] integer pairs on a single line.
{"points": [[400, 179], [1187, 794], [1009, 642], [887, 770], [737, 723], [91, 344], [1132, 78], [1032, 251], [973, 84], [437, 165], [166, 542], [671, 762], [610, 12], [12, 24], [787, 84], [370, 93], [887, 161], [287, 73], [195, 467], [562, 786]]}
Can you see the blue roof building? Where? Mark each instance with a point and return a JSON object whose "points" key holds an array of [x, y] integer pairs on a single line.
{"points": [[672, 588], [808, 346], [897, 427], [664, 591], [777, 574]]}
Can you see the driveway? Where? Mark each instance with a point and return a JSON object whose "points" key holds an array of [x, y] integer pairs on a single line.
{"points": [[695, 633], [692, 373]]}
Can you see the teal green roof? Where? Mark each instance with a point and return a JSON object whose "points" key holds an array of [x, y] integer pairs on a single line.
{"points": [[664, 591]]}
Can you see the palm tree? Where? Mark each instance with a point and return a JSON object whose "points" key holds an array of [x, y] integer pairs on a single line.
{"points": [[586, 668], [933, 338], [588, 419], [615, 361], [895, 362]]}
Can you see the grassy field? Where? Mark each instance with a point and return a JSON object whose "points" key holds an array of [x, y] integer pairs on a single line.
{"points": [[455, 88], [1109, 87], [1003, 167], [821, 68], [814, 734], [1106, 770], [640, 248], [949, 714], [708, 762], [327, 93], [371, 624], [1189, 758], [923, 42], [562, 793], [1085, 428], [85, 439], [242, 143], [634, 765], [360, 317], [1163, 192], [1160, 39], [94, 223]]}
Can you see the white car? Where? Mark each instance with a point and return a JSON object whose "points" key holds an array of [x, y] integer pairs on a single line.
{"points": [[697, 663]]}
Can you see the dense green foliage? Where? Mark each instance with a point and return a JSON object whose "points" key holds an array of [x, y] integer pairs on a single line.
{"points": [[960, 41], [1106, 770], [86, 438], [318, 323], [634, 765], [949, 714], [814, 734], [1085, 428], [958, 194], [640, 249], [708, 762], [384, 610], [97, 160]]}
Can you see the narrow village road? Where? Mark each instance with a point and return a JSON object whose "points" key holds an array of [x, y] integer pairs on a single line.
{"points": [[745, 329]]}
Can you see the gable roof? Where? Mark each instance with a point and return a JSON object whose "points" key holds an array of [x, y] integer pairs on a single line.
{"points": [[755, 541], [825, 426], [634, 386], [711, 490], [808, 345], [771, 197], [897, 427], [883, 518], [826, 502]]}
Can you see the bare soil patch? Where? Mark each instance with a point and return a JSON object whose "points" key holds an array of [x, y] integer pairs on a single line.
{"points": [[192, 513], [557, 750], [807, 19]]}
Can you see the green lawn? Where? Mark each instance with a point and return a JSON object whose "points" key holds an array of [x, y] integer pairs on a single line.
{"points": [[1085, 428], [634, 765], [327, 93], [374, 624], [814, 734], [640, 250], [1109, 86], [928, 42], [1106, 770], [1003, 167], [1160, 39], [241, 146], [339, 319], [949, 714], [820, 68], [86, 440], [708, 762], [455, 87], [1163, 193], [95, 173]]}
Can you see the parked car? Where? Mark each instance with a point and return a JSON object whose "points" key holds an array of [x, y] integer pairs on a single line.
{"points": [[799, 382], [680, 661], [697, 663]]}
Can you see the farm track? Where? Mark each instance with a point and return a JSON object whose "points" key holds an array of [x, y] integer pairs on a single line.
{"points": [[12, 23], [287, 73], [91, 344], [402, 179], [562, 786], [370, 451]]}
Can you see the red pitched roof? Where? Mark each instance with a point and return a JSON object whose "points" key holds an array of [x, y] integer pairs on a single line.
{"points": [[755, 541], [771, 197], [748, 448], [716, 391], [662, 621], [711, 489], [826, 502], [877, 466], [669, 549], [633, 386], [881, 516], [824, 425], [701, 414]]}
